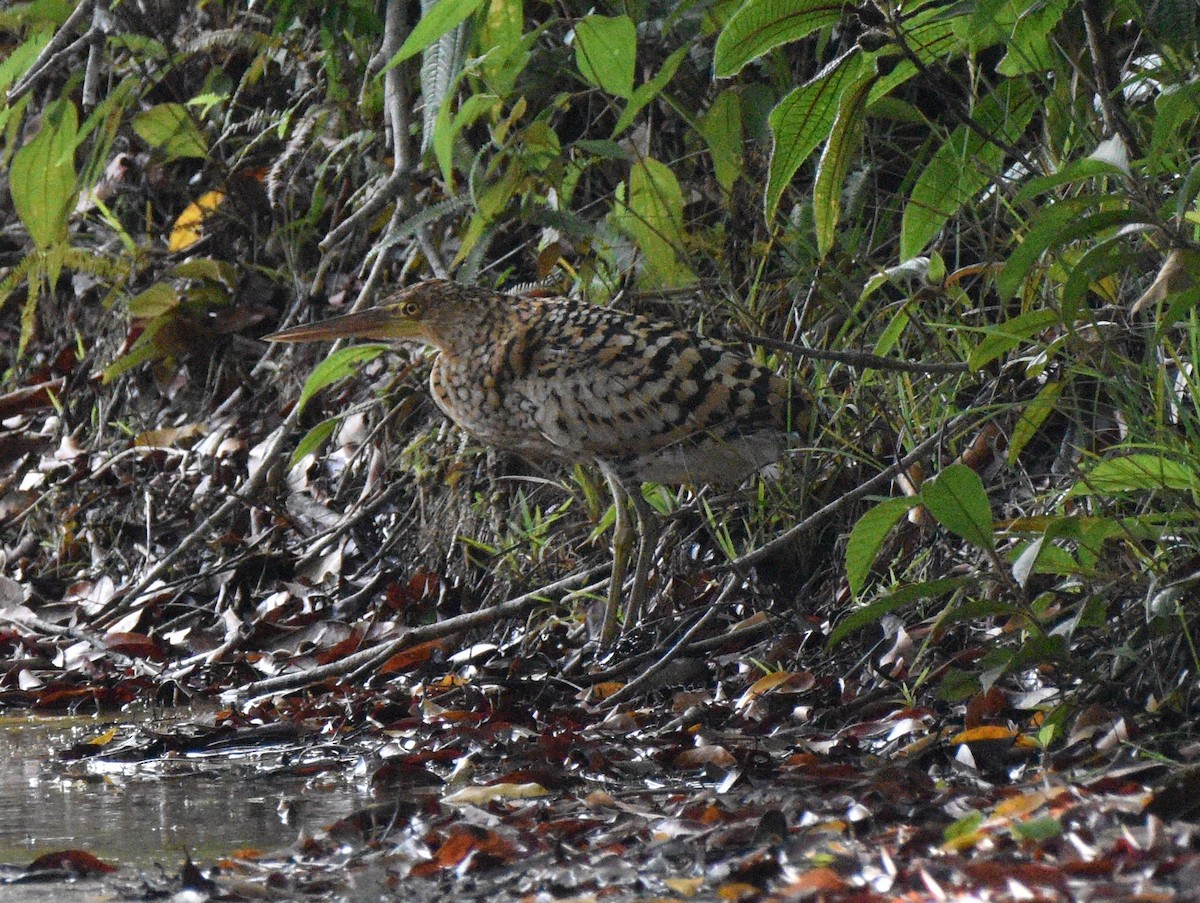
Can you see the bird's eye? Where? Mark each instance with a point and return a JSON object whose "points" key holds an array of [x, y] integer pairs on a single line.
{"points": [[411, 309]]}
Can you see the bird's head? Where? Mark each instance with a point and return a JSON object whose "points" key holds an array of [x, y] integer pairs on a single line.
{"points": [[435, 312]]}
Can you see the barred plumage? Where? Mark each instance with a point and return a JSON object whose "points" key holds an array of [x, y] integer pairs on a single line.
{"points": [[564, 379]]}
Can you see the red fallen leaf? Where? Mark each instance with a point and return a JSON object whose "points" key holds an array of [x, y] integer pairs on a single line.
{"points": [[423, 587], [564, 829], [60, 698], [77, 862], [705, 755], [465, 840], [998, 874], [550, 778], [414, 656], [29, 398], [372, 821], [985, 708], [814, 881], [340, 650], [135, 645]]}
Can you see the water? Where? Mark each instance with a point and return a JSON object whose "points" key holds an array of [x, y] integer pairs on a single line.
{"points": [[136, 815]]}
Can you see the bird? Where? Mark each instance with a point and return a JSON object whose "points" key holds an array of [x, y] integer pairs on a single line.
{"points": [[574, 382]]}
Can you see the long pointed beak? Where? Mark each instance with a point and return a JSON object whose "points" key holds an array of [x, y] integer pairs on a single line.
{"points": [[375, 323]]}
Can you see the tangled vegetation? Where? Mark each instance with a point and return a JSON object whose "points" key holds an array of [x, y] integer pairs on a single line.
{"points": [[969, 230]]}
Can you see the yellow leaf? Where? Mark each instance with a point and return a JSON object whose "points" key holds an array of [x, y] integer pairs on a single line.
{"points": [[686, 886], [188, 227], [985, 732], [103, 739], [1016, 806]]}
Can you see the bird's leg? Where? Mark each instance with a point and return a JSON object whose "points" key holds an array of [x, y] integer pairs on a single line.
{"points": [[621, 545], [647, 540]]}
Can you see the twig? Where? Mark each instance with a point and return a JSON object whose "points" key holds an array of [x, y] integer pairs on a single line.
{"points": [[367, 659], [59, 47], [245, 496], [91, 74], [788, 536], [853, 358], [636, 685], [396, 109], [1105, 72]]}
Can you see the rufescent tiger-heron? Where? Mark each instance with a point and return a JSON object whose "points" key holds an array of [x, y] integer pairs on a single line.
{"points": [[568, 380]]}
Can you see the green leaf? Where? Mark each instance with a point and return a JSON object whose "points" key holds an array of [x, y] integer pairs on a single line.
{"points": [[339, 364], [1079, 170], [505, 53], [1029, 46], [965, 826], [649, 90], [760, 25], [721, 128], [446, 130], [1142, 471], [867, 537], [844, 137], [605, 52], [17, 61], [170, 128], [153, 302], [906, 595], [957, 500], [1045, 827], [313, 440], [1056, 226], [439, 19], [42, 176], [649, 209], [1033, 417], [803, 119], [1006, 336], [963, 166]]}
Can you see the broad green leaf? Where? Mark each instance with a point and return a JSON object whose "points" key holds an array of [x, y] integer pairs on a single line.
{"points": [[313, 440], [1076, 171], [42, 176], [963, 166], [1056, 226], [446, 130], [499, 37], [803, 119], [170, 128], [761, 25], [869, 615], [649, 209], [721, 128], [1006, 336], [1033, 417], [339, 364], [1100, 270], [844, 137], [1029, 46], [1142, 471], [867, 537], [605, 52], [439, 19], [153, 302], [207, 269], [957, 500], [647, 92]]}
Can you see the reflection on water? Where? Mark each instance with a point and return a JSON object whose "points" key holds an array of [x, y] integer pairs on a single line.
{"points": [[136, 815]]}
